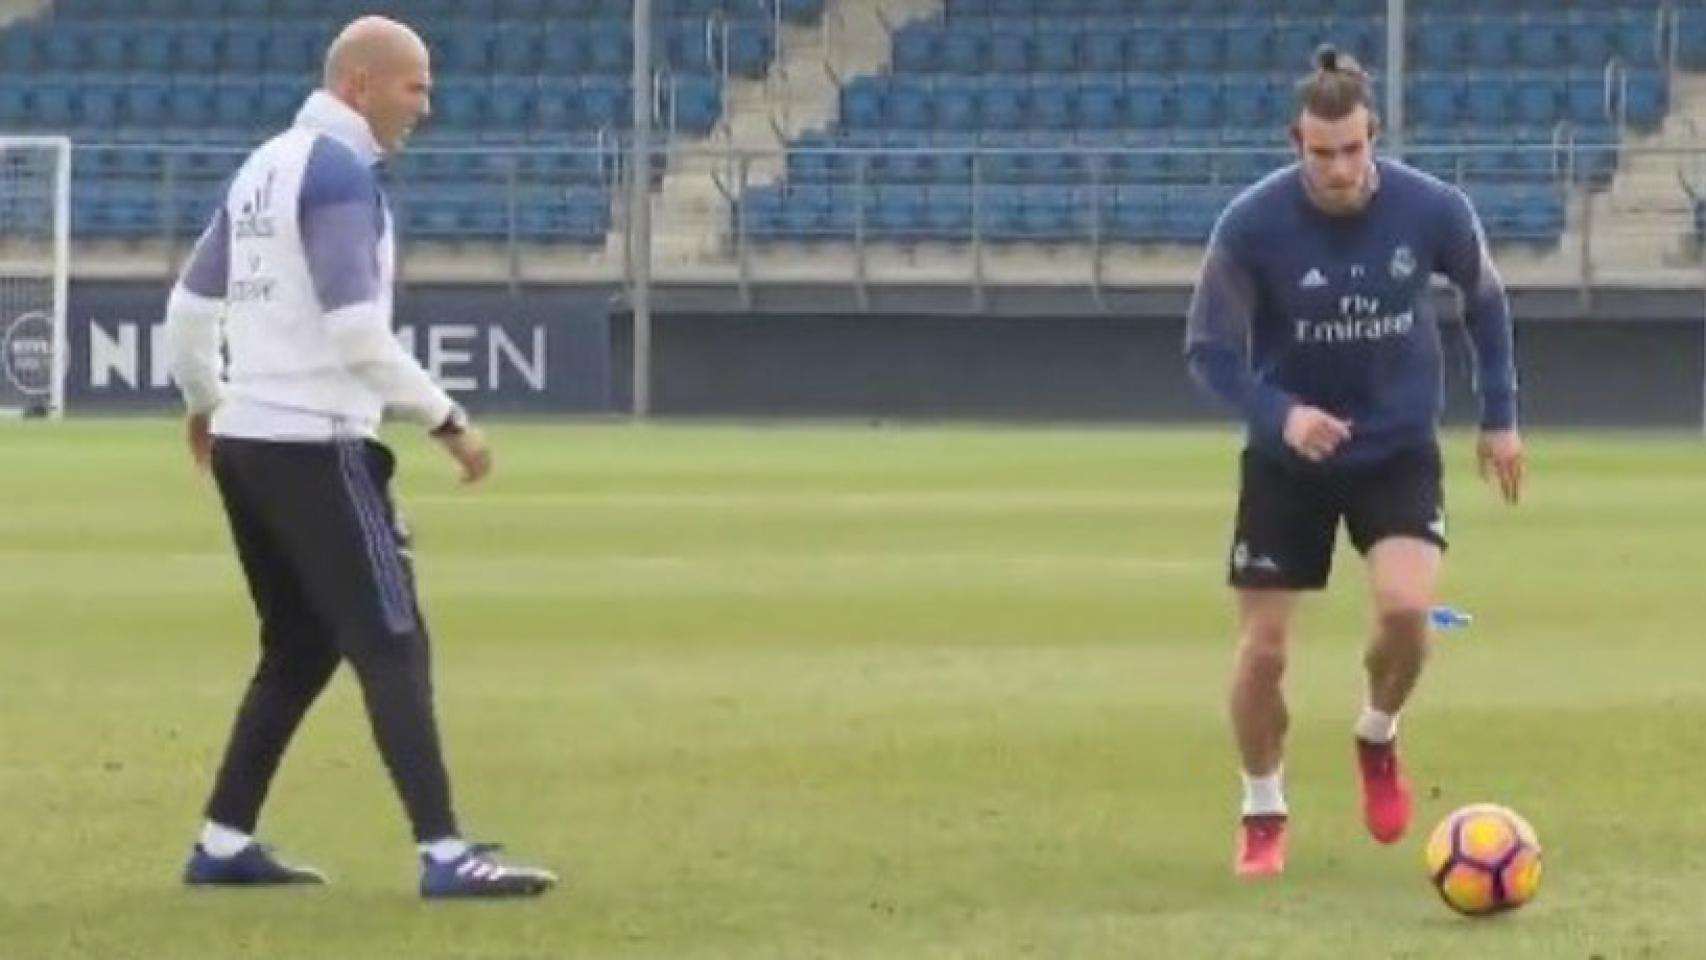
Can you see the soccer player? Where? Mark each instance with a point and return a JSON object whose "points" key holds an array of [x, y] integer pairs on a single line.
{"points": [[298, 262], [1313, 318]]}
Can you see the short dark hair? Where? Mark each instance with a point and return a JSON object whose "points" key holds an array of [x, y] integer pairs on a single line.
{"points": [[1335, 88]]}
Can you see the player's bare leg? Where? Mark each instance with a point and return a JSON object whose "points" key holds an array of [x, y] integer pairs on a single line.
{"points": [[1402, 574], [1259, 722]]}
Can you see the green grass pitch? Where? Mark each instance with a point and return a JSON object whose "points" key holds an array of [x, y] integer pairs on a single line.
{"points": [[800, 692]]}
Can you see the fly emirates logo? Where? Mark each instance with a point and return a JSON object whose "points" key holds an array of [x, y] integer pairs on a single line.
{"points": [[1360, 320]]}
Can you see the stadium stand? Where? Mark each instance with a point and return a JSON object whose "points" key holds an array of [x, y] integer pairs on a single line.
{"points": [[149, 89], [1167, 108]]}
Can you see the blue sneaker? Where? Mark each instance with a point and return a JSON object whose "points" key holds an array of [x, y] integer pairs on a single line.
{"points": [[478, 874], [252, 866]]}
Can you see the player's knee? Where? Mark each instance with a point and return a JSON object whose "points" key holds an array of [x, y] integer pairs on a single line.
{"points": [[1403, 619], [1262, 650]]}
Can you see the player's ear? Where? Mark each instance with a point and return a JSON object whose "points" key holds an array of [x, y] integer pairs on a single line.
{"points": [[1373, 126]]}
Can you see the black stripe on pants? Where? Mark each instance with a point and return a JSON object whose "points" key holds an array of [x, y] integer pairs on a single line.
{"points": [[327, 568]]}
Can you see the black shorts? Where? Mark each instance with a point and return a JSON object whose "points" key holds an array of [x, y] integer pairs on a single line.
{"points": [[1288, 514]]}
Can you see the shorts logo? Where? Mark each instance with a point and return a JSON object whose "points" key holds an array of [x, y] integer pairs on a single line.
{"points": [[1436, 526], [1243, 560], [1403, 263]]}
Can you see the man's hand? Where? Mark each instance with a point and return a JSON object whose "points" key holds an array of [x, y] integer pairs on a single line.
{"points": [[467, 446], [198, 435], [1314, 433], [1499, 455]]}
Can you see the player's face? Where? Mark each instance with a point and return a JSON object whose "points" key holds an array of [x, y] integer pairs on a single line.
{"points": [[397, 98], [1336, 157]]}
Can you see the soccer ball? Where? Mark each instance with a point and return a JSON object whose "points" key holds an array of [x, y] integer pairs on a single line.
{"points": [[1484, 859]]}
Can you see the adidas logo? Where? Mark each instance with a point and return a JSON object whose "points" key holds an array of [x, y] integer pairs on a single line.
{"points": [[1312, 279]]}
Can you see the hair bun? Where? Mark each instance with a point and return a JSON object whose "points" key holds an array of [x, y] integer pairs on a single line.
{"points": [[1327, 58]]}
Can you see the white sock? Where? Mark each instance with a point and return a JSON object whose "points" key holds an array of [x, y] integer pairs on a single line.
{"points": [[1376, 727], [219, 840], [444, 850], [1264, 795]]}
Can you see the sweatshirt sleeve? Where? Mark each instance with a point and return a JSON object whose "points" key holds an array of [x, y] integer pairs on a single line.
{"points": [[1486, 311], [1217, 338]]}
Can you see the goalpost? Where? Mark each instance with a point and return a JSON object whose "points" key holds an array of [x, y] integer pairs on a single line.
{"points": [[35, 266]]}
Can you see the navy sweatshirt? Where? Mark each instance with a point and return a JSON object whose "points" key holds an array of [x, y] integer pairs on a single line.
{"points": [[1298, 306]]}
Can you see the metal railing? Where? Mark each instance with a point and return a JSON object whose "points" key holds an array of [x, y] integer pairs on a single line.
{"points": [[962, 212]]}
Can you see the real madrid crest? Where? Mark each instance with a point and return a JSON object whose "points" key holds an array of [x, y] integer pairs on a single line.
{"points": [[1403, 263]]}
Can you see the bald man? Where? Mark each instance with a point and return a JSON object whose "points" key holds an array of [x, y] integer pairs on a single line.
{"points": [[298, 262]]}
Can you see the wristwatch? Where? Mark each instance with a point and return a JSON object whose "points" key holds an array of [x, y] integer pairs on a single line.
{"points": [[455, 423]]}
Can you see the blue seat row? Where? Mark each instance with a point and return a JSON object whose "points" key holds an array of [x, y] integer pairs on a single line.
{"points": [[1146, 101], [1053, 214], [427, 11], [140, 209], [1538, 41], [1227, 156], [512, 47], [104, 108], [583, 160], [1299, 8]]}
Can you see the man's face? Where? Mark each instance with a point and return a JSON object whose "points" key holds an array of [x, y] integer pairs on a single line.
{"points": [[394, 96], [1336, 157]]}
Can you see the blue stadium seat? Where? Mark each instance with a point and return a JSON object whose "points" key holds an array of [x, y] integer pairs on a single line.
{"points": [[608, 47], [463, 48], [1638, 37], [244, 48], [697, 102], [1246, 101], [1492, 43], [957, 104], [918, 48], [1101, 103], [513, 103], [562, 50], [1005, 103], [1056, 50], [948, 213], [1148, 50], [1540, 43], [862, 106], [1011, 48], [1149, 103], [515, 48], [1691, 38], [908, 104], [1437, 99], [1292, 45], [1247, 44], [1538, 99], [1646, 99], [750, 49], [963, 51], [1199, 102], [1102, 50], [190, 104], [1584, 98], [607, 102], [15, 106], [53, 103], [1439, 43], [1487, 100], [292, 49], [1200, 48], [1052, 103]]}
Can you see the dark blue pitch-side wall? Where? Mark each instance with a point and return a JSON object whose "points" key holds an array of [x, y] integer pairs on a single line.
{"points": [[560, 350]]}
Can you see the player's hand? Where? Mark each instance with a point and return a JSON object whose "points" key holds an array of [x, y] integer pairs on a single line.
{"points": [[198, 435], [1499, 455], [1314, 433], [468, 448]]}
